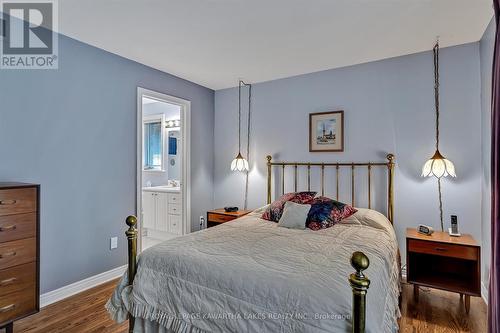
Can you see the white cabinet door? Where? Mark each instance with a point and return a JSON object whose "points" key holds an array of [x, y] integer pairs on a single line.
{"points": [[148, 209], [174, 198], [175, 224], [174, 209], [161, 211]]}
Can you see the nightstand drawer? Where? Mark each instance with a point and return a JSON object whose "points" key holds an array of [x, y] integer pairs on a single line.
{"points": [[220, 218], [443, 249]]}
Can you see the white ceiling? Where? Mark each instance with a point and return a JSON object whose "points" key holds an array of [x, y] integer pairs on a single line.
{"points": [[215, 42]]}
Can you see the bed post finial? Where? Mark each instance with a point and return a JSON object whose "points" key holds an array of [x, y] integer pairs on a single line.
{"points": [[390, 194], [359, 283], [131, 234], [269, 158]]}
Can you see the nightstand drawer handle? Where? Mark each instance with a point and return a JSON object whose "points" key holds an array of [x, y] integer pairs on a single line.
{"points": [[7, 281], [7, 202], [7, 228], [8, 254], [441, 249], [7, 308]]}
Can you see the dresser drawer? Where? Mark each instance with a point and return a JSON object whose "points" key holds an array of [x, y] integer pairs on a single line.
{"points": [[443, 249], [19, 226], [174, 209], [212, 217], [17, 201], [18, 304], [17, 252], [174, 198], [17, 278]]}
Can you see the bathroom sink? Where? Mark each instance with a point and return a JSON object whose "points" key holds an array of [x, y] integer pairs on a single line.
{"points": [[162, 188]]}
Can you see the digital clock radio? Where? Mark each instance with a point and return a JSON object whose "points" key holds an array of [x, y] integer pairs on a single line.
{"points": [[425, 229]]}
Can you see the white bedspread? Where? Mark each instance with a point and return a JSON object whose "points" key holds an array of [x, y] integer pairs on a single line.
{"points": [[250, 275]]}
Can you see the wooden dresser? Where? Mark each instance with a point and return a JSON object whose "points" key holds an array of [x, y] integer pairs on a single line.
{"points": [[19, 252], [218, 216], [444, 262]]}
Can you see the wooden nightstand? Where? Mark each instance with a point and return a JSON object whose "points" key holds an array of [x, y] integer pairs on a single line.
{"points": [[218, 216], [444, 262]]}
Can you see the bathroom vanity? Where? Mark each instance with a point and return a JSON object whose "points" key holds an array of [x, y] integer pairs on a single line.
{"points": [[162, 209]]}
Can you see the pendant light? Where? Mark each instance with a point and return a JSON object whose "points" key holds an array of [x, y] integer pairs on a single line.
{"points": [[438, 166], [240, 163]]}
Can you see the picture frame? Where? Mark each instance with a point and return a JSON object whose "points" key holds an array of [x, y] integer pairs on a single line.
{"points": [[326, 131]]}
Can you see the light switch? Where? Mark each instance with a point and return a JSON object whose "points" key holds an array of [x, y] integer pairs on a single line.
{"points": [[114, 243]]}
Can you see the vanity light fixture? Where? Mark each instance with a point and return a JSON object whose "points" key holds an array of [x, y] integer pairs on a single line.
{"points": [[240, 163], [172, 123], [438, 166]]}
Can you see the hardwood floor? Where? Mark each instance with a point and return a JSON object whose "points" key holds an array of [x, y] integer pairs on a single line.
{"points": [[436, 312], [81, 313], [440, 311]]}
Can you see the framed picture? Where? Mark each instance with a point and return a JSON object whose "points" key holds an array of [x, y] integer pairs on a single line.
{"points": [[326, 131]]}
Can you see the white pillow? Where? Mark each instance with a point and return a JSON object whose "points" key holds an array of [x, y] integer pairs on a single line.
{"points": [[294, 215], [368, 217]]}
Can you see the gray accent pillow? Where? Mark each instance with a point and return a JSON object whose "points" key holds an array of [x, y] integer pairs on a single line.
{"points": [[294, 215]]}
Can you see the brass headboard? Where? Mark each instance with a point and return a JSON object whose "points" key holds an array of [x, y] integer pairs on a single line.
{"points": [[369, 165]]}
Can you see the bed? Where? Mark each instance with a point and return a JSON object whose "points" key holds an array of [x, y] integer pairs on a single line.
{"points": [[250, 275]]}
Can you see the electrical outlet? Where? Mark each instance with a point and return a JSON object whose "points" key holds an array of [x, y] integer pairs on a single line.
{"points": [[202, 222], [113, 242]]}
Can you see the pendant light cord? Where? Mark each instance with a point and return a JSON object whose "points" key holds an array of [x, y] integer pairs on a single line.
{"points": [[436, 89], [440, 204], [239, 116], [245, 205], [436, 101]]}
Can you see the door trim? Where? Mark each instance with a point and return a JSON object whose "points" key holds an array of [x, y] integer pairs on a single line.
{"points": [[186, 156]]}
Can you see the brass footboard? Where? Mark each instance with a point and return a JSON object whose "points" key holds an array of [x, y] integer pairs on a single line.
{"points": [[359, 282], [131, 234]]}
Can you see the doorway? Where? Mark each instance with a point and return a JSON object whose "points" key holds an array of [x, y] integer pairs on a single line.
{"points": [[163, 133]]}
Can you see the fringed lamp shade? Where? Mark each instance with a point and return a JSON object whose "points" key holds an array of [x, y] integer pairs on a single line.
{"points": [[438, 166], [239, 163]]}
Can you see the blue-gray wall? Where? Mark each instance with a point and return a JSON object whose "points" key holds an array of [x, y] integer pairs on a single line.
{"points": [[389, 107], [487, 45], [73, 130]]}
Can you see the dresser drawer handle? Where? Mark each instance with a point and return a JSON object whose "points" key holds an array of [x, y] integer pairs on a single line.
{"points": [[441, 249], [7, 308], [7, 228], [7, 202], [7, 281], [8, 254]]}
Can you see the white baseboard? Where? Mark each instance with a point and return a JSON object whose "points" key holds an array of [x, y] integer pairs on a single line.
{"points": [[484, 293], [79, 286]]}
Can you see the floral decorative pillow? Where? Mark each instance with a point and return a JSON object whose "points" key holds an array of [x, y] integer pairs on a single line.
{"points": [[326, 212], [275, 210]]}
